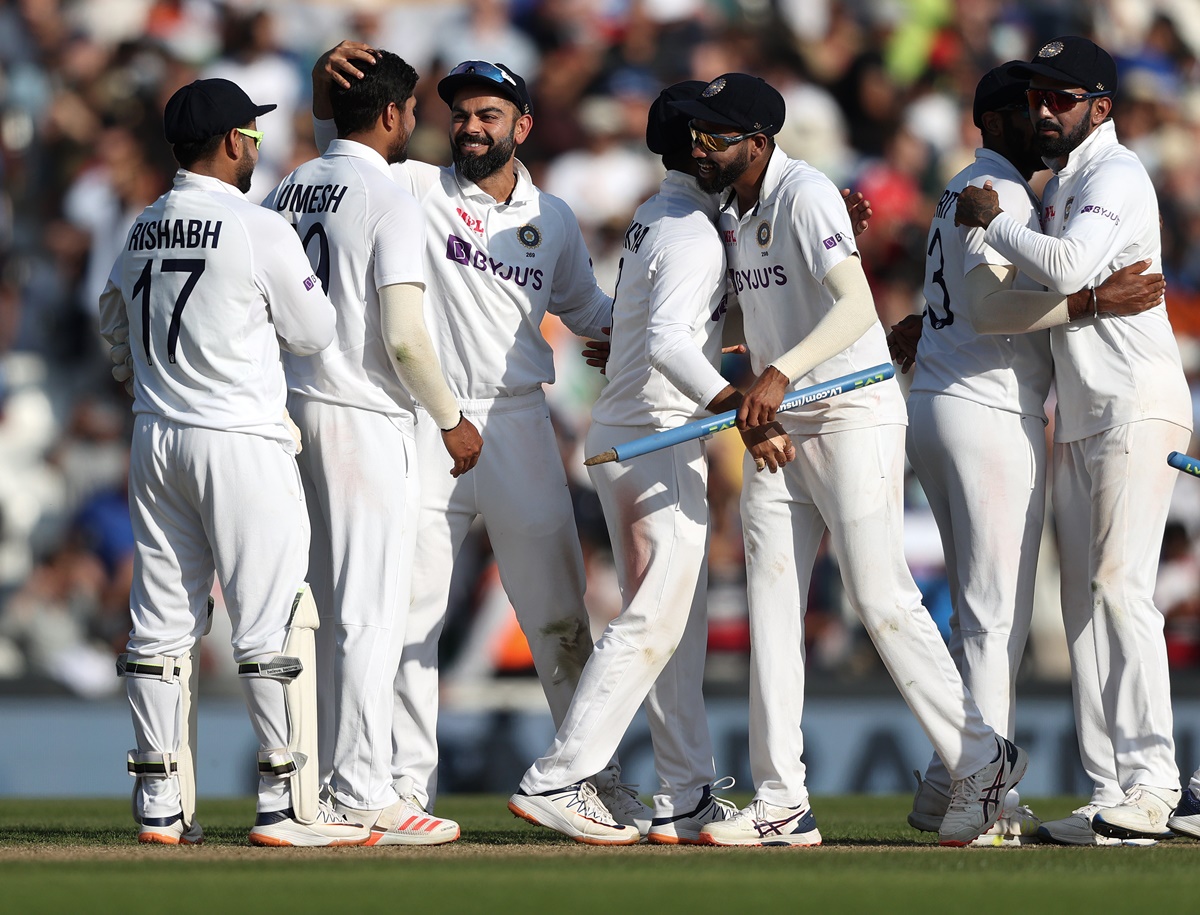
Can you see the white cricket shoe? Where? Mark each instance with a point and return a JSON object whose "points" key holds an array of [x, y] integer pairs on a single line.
{"points": [[1076, 829], [929, 806], [168, 831], [1018, 825], [1186, 819], [403, 823], [1142, 814], [280, 828], [624, 804], [575, 811], [976, 801], [685, 828], [765, 824]]}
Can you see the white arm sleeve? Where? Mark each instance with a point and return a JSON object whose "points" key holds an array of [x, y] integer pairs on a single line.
{"points": [[993, 307], [851, 316], [402, 319]]}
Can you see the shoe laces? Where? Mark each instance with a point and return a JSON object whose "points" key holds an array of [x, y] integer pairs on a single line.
{"points": [[587, 802], [728, 809], [621, 798], [326, 814]]}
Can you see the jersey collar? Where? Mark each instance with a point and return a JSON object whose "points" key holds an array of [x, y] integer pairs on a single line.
{"points": [[681, 184], [188, 179], [522, 193], [1001, 166], [770, 184], [1100, 139], [355, 150]]}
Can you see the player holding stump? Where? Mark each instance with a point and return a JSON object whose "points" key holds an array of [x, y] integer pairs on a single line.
{"points": [[1123, 404], [809, 316], [207, 289], [666, 339], [354, 405]]}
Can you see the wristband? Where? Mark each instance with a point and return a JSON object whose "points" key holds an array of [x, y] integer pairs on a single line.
{"points": [[457, 424], [1095, 304]]}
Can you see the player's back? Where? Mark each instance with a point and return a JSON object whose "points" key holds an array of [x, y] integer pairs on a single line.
{"points": [[1006, 372], [361, 232], [670, 244], [204, 347]]}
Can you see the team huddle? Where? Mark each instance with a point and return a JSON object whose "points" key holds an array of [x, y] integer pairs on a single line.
{"points": [[310, 433]]}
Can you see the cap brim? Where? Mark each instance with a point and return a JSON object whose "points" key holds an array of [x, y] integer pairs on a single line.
{"points": [[450, 86], [696, 109], [260, 110], [1030, 70]]}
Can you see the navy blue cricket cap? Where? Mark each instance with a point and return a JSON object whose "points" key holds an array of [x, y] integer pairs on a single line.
{"points": [[208, 108], [1073, 60], [738, 100], [497, 77], [666, 126], [999, 89]]}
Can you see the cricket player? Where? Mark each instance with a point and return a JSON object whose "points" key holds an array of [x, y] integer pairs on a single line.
{"points": [[499, 256], [353, 402], [666, 340], [976, 436], [207, 289], [1123, 405], [809, 317]]}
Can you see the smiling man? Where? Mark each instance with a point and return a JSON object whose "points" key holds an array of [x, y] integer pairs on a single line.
{"points": [[1123, 405], [499, 255]]}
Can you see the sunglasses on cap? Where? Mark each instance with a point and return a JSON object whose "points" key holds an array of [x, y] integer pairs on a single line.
{"points": [[484, 69], [716, 142], [1020, 108], [255, 135], [1057, 101]]}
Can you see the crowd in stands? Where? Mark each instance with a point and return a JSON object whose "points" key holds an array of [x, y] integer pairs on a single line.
{"points": [[878, 96]]}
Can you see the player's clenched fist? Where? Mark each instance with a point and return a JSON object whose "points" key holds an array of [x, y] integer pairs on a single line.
{"points": [[464, 444], [770, 446], [763, 399]]}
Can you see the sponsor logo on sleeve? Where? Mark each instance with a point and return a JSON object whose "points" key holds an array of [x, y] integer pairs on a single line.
{"points": [[1101, 211], [309, 283], [833, 240]]}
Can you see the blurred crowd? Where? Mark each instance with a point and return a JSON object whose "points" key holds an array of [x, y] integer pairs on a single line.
{"points": [[878, 96]]}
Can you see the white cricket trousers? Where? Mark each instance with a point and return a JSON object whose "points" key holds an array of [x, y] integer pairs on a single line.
{"points": [[1111, 495], [205, 502], [984, 473], [656, 509], [519, 488], [849, 482], [360, 475]]}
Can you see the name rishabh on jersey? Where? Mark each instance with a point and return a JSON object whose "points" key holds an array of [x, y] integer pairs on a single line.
{"points": [[361, 232], [209, 286]]}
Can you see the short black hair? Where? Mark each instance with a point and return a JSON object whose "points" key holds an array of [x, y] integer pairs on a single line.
{"points": [[357, 108], [188, 154]]}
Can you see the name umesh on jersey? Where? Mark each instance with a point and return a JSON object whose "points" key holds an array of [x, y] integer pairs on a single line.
{"points": [[310, 198], [174, 233]]}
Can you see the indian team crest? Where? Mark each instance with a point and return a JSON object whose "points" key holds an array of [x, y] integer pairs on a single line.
{"points": [[529, 235], [1053, 49], [763, 234], [1067, 209], [713, 88]]}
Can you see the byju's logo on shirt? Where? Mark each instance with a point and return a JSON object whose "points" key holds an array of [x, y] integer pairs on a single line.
{"points": [[1101, 211], [833, 240], [464, 253], [309, 283]]}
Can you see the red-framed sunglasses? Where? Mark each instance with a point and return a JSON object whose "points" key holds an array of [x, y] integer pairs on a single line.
{"points": [[1057, 101]]}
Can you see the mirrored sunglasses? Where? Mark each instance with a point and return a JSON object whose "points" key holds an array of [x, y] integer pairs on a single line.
{"points": [[716, 142], [1057, 101], [484, 69]]}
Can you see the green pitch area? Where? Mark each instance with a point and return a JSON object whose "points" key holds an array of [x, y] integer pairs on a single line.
{"points": [[81, 856]]}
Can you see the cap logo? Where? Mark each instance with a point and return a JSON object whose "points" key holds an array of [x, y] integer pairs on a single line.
{"points": [[713, 88], [1051, 50]]}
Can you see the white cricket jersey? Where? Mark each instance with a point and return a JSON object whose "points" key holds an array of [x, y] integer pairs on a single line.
{"points": [[1099, 214], [779, 254], [668, 311], [361, 232], [493, 270], [1010, 373], [210, 285]]}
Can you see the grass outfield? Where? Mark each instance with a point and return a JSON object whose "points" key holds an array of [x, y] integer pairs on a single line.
{"points": [[81, 856]]}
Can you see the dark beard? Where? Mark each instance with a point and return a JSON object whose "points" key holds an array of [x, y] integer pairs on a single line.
{"points": [[398, 153], [723, 176], [245, 175], [476, 168], [1054, 147]]}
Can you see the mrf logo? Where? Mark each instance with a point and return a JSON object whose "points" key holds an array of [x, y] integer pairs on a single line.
{"points": [[475, 225]]}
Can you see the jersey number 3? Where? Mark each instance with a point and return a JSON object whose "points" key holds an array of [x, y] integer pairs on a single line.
{"points": [[191, 266], [939, 279]]}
